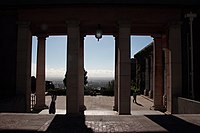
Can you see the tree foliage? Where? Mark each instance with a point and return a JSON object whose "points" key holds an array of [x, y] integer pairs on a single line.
{"points": [[111, 85], [85, 79], [134, 87]]}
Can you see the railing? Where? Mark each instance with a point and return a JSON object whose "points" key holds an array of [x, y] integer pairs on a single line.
{"points": [[33, 101]]}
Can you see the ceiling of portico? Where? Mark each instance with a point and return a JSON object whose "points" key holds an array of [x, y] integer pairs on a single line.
{"points": [[10, 3], [143, 20]]}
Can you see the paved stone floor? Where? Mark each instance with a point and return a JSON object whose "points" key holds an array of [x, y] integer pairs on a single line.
{"points": [[142, 120], [103, 105]]}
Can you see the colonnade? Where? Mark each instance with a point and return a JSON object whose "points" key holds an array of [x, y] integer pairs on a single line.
{"points": [[157, 72], [163, 78], [148, 91], [75, 68]]}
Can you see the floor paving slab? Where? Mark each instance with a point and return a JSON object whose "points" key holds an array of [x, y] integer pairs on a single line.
{"points": [[28, 123], [24, 122], [100, 119]]}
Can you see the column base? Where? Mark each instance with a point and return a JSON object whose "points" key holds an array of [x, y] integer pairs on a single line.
{"points": [[146, 92], [165, 100], [115, 108], [39, 107], [151, 94], [82, 108], [124, 113], [158, 108]]}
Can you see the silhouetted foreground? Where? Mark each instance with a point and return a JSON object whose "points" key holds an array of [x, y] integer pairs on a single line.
{"points": [[32, 123], [174, 124], [68, 124]]}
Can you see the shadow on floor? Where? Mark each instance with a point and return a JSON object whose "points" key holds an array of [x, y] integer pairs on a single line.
{"points": [[68, 123], [60, 124], [174, 124], [139, 104], [16, 131]]}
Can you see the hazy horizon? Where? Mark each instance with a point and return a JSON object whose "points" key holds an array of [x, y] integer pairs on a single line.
{"points": [[89, 78]]}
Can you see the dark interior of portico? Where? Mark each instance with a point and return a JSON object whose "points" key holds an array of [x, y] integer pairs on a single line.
{"points": [[155, 21]]}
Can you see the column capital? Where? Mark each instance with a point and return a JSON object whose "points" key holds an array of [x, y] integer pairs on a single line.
{"points": [[124, 23], [174, 24], [73, 23], [165, 49], [116, 37], [124, 29], [163, 36], [24, 24], [83, 36], [42, 36], [156, 36], [158, 40]]}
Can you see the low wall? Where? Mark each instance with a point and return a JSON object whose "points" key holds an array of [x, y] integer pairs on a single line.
{"points": [[13, 104], [188, 106]]}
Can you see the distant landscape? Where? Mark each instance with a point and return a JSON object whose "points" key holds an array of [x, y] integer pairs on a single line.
{"points": [[92, 82]]}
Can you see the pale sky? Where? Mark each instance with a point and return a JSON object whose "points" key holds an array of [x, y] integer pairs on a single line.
{"points": [[98, 56]]}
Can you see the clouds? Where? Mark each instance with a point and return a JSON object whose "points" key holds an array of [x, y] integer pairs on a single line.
{"points": [[100, 73], [33, 69], [55, 72], [52, 72]]}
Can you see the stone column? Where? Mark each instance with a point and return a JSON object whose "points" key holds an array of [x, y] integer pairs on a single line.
{"points": [[23, 66], [157, 75], [146, 77], [176, 68], [124, 69], [115, 107], [137, 72], [165, 68], [82, 107], [40, 73], [151, 78], [73, 69], [167, 76]]}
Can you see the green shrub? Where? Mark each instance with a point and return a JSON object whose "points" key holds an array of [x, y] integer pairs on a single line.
{"points": [[134, 88], [86, 92], [107, 92], [59, 92]]}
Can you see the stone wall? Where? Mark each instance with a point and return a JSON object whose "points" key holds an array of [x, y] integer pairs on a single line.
{"points": [[8, 47], [13, 104], [188, 106]]}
